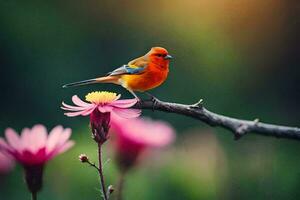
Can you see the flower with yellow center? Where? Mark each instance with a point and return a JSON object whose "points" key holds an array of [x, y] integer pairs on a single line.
{"points": [[103, 102], [101, 106]]}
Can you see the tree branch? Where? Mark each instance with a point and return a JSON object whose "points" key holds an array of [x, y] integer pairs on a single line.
{"points": [[238, 127]]}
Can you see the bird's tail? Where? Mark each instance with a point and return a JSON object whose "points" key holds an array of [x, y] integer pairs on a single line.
{"points": [[106, 79]]}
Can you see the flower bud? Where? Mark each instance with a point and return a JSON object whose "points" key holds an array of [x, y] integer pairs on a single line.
{"points": [[100, 124], [83, 158], [110, 189]]}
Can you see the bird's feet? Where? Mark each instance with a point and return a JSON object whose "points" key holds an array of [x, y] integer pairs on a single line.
{"points": [[138, 102], [153, 99]]}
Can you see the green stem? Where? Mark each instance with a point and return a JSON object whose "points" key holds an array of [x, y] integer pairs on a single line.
{"points": [[120, 186], [100, 170], [33, 196]]}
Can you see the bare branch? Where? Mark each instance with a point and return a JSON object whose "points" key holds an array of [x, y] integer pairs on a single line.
{"points": [[238, 127]]}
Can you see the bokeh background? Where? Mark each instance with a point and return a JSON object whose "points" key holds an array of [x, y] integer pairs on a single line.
{"points": [[241, 57]]}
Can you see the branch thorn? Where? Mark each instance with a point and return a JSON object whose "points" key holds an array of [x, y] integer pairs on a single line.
{"points": [[240, 131], [256, 121], [199, 104]]}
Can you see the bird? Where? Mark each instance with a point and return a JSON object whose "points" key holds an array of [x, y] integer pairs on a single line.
{"points": [[139, 75]]}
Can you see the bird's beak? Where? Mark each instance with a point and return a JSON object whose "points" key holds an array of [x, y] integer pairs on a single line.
{"points": [[168, 57]]}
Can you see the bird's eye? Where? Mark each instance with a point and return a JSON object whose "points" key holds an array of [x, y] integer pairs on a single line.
{"points": [[159, 55]]}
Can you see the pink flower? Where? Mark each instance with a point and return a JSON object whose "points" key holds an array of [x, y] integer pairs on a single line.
{"points": [[134, 136], [100, 108], [34, 146], [104, 102], [6, 163]]}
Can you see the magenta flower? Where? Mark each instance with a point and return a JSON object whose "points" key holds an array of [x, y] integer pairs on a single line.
{"points": [[33, 148], [6, 163], [101, 106], [134, 136], [104, 102]]}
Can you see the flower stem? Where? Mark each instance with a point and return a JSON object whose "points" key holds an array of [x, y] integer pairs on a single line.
{"points": [[100, 170], [120, 186], [93, 165], [33, 196]]}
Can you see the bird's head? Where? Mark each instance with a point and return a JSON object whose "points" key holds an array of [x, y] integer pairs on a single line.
{"points": [[159, 56]]}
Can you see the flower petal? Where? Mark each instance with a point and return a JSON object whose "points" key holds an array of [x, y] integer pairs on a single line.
{"points": [[125, 103], [134, 133], [77, 101], [127, 113], [73, 108], [89, 111], [25, 138], [6, 162], [53, 138], [74, 114], [65, 135], [105, 109], [66, 146], [60, 149], [39, 137], [4, 145], [12, 138]]}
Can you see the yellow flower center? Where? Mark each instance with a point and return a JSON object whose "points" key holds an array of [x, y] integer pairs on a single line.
{"points": [[102, 97]]}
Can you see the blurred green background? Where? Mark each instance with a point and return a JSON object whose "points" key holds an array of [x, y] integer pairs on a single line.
{"points": [[241, 57]]}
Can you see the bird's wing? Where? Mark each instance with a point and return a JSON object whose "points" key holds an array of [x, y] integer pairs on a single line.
{"points": [[136, 66], [127, 69], [139, 62]]}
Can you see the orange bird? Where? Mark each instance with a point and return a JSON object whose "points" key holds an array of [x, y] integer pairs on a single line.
{"points": [[141, 74]]}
